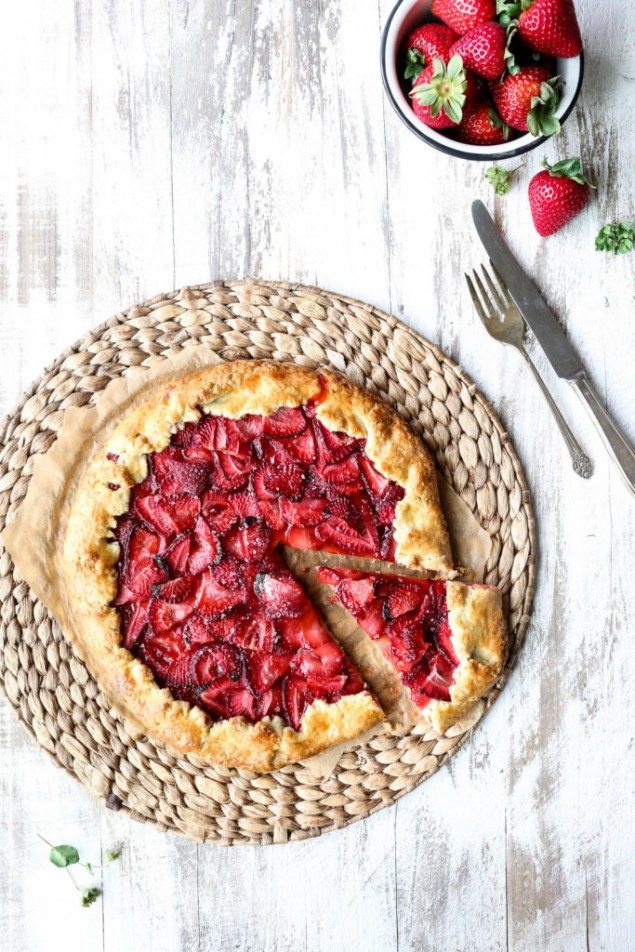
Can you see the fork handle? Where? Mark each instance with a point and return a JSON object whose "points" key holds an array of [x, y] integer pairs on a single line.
{"points": [[616, 443], [582, 465]]}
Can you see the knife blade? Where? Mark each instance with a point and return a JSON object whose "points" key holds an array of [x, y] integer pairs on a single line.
{"points": [[535, 310]]}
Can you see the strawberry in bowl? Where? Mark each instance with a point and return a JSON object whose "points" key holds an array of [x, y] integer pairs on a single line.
{"points": [[482, 79]]}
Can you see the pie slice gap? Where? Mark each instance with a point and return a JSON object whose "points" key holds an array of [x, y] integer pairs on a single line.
{"points": [[446, 639], [180, 601]]}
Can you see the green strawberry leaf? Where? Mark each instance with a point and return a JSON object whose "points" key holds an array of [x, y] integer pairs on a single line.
{"points": [[618, 237], [90, 895], [62, 856], [568, 168], [415, 63], [499, 179]]}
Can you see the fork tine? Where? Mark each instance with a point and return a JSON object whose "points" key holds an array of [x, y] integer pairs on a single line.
{"points": [[498, 301], [475, 299], [502, 286], [487, 304]]}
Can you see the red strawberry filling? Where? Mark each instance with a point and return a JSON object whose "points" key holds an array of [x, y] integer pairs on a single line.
{"points": [[409, 620], [205, 599]]}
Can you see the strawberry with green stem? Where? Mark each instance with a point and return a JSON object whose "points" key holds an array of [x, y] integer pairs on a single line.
{"points": [[426, 43], [482, 125], [441, 91], [558, 194], [528, 100], [546, 26]]}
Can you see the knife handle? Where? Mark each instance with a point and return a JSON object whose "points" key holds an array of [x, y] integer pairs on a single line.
{"points": [[616, 443]]}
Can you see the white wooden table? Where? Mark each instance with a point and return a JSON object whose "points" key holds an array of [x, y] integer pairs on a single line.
{"points": [[151, 144]]}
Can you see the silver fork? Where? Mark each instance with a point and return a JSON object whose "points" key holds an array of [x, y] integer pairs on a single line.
{"points": [[504, 322]]}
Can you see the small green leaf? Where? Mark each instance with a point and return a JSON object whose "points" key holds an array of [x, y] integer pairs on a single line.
{"points": [[499, 178], [113, 854], [89, 869], [415, 62], [618, 237], [90, 895], [454, 67], [63, 856]]}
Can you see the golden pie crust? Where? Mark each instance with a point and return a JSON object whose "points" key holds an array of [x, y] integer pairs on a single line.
{"points": [[90, 553], [477, 624]]}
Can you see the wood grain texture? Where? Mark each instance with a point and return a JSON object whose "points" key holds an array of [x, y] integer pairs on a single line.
{"points": [[158, 143]]}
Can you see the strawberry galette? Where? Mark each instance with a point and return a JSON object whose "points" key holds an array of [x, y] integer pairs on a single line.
{"points": [[179, 597], [446, 639]]}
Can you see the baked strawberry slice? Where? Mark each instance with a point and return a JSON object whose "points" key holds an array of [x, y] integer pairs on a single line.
{"points": [[322, 661], [166, 616], [295, 700], [216, 599], [284, 480], [302, 448], [333, 446], [305, 512], [218, 511], [231, 472], [168, 516], [161, 651], [205, 550], [215, 661], [143, 570], [323, 688], [265, 668], [178, 554], [244, 504], [248, 541], [402, 600], [279, 594], [345, 471], [204, 629], [287, 421], [134, 618], [215, 698], [375, 482], [176, 475], [255, 633], [431, 679], [176, 590], [338, 536]]}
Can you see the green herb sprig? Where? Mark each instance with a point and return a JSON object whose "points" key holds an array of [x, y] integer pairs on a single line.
{"points": [[63, 856]]}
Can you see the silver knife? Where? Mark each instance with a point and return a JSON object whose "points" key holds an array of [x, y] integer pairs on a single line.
{"points": [[551, 337]]}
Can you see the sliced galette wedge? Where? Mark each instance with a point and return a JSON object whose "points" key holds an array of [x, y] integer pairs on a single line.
{"points": [[446, 639]]}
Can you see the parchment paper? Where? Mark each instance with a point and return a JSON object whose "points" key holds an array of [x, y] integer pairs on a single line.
{"points": [[34, 537]]}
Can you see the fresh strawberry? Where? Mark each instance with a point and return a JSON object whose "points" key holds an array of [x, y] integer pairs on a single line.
{"points": [[440, 92], [557, 195], [463, 15], [483, 50], [528, 100], [482, 126], [426, 43], [546, 26]]}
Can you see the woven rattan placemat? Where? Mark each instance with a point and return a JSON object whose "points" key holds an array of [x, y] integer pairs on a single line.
{"points": [[50, 689]]}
